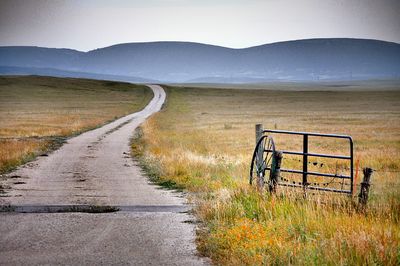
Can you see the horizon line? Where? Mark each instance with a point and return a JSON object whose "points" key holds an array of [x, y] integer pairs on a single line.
{"points": [[193, 42]]}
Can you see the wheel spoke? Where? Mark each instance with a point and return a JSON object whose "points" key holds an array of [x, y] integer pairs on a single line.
{"points": [[269, 160]]}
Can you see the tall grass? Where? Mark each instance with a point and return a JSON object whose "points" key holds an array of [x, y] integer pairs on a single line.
{"points": [[188, 145]]}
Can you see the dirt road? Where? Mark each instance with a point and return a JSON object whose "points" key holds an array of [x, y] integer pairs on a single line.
{"points": [[95, 168]]}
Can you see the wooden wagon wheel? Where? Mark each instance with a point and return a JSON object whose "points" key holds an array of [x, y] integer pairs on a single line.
{"points": [[262, 159]]}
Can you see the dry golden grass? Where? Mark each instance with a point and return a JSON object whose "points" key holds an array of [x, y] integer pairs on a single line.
{"points": [[38, 112], [203, 141]]}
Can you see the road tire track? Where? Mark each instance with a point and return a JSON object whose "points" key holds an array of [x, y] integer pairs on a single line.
{"points": [[95, 168]]}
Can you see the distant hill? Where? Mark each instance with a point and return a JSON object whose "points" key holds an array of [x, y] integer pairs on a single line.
{"points": [[302, 60], [6, 70]]}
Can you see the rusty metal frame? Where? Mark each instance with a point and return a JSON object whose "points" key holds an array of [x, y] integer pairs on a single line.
{"points": [[305, 154]]}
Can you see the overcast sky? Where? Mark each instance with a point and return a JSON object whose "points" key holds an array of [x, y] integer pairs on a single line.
{"points": [[90, 24]]}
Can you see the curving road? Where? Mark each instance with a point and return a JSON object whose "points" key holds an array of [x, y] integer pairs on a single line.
{"points": [[95, 168]]}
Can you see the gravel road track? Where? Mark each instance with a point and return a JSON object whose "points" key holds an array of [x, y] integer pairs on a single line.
{"points": [[95, 169]]}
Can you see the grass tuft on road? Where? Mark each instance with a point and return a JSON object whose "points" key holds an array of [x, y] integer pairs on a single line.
{"points": [[203, 141]]}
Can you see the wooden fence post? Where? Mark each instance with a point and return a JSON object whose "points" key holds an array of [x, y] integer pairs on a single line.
{"points": [[365, 184], [259, 159], [275, 171]]}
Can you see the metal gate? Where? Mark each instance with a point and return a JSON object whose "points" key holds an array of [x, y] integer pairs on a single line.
{"points": [[263, 162]]}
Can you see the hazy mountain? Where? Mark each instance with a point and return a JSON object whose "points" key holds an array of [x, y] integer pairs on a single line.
{"points": [[303, 60], [10, 70]]}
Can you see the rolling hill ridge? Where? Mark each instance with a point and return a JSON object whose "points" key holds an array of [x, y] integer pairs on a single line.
{"points": [[302, 60]]}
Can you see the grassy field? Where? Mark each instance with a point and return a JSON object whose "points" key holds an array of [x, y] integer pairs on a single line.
{"points": [[203, 141], [38, 113]]}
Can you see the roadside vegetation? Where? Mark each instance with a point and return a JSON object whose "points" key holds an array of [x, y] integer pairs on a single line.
{"points": [[38, 113], [203, 140]]}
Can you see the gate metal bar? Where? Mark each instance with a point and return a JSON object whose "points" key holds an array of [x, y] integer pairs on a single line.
{"points": [[305, 154]]}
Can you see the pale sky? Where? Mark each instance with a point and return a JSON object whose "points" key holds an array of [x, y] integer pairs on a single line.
{"points": [[90, 24]]}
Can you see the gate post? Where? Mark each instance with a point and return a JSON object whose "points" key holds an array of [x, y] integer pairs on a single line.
{"points": [[259, 159], [305, 164], [275, 171], [365, 184]]}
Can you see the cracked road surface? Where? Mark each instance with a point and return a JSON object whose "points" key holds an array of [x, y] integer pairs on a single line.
{"points": [[95, 168]]}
